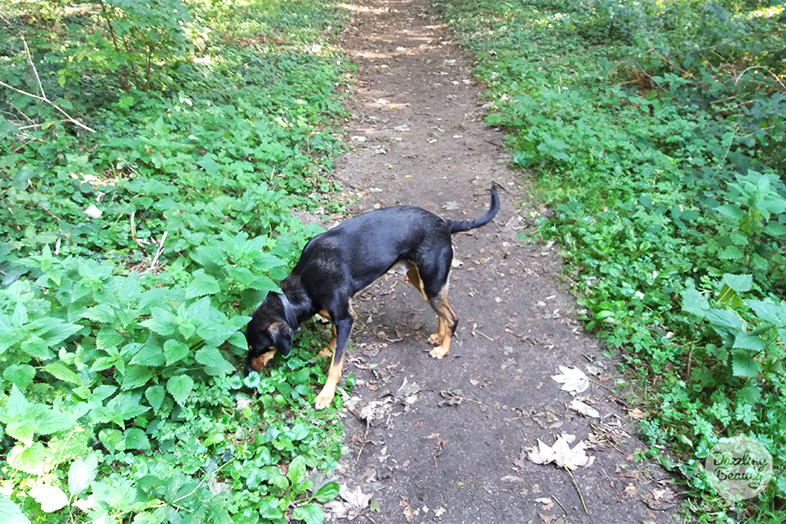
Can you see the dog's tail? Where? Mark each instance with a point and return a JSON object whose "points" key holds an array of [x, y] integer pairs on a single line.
{"points": [[465, 225]]}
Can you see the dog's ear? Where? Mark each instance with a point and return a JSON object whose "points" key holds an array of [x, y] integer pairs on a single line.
{"points": [[282, 335]]}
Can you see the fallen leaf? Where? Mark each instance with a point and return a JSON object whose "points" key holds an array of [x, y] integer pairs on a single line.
{"points": [[636, 414], [407, 510], [630, 490], [583, 409], [511, 478], [93, 211], [355, 498], [573, 380], [547, 503], [561, 453]]}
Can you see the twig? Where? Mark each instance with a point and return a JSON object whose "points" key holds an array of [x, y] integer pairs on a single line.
{"points": [[665, 59], [363, 445], [50, 213], [35, 71], [158, 251], [736, 81], [576, 485], [45, 99], [42, 97]]}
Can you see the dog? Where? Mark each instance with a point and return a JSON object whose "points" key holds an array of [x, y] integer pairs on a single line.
{"points": [[338, 263]]}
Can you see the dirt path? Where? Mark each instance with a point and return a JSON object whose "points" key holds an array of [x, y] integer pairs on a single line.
{"points": [[444, 441]]}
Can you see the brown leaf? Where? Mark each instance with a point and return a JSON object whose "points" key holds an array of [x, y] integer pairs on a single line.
{"points": [[636, 414], [408, 515]]}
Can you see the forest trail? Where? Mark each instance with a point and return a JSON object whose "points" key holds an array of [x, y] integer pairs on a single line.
{"points": [[446, 440]]}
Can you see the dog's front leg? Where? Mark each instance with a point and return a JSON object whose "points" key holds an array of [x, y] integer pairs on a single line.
{"points": [[343, 328]]}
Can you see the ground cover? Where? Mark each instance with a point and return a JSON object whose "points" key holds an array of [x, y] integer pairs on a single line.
{"points": [[655, 131], [151, 157]]}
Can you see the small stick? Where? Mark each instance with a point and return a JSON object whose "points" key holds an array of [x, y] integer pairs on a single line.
{"points": [[159, 251], [576, 484]]}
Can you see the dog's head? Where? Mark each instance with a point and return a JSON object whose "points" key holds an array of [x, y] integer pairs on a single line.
{"points": [[271, 330]]}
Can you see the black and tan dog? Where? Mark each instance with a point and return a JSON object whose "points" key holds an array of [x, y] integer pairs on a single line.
{"points": [[348, 258]]}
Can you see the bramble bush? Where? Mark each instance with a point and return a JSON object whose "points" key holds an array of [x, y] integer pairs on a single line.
{"points": [[656, 132], [151, 157]]}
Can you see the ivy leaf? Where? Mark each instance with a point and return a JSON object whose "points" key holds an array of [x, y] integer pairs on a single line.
{"points": [[50, 497], [210, 166], [11, 513], [743, 365], [310, 514], [180, 388], [82, 473]]}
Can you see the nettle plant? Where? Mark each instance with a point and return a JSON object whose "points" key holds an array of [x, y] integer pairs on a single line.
{"points": [[755, 234], [123, 397]]}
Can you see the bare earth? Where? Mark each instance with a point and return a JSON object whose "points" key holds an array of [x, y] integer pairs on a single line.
{"points": [[446, 440]]}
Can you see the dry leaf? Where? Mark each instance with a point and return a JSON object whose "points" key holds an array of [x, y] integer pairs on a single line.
{"points": [[355, 498], [583, 409], [407, 510], [93, 211], [561, 453], [573, 380], [547, 503], [636, 414]]}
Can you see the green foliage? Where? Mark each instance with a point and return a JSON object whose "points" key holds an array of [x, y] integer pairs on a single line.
{"points": [[133, 255], [655, 131]]}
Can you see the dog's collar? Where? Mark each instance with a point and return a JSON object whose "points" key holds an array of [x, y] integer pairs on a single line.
{"points": [[289, 312]]}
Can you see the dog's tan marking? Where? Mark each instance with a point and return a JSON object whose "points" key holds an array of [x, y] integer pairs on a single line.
{"points": [[257, 363], [447, 322], [413, 277], [325, 396]]}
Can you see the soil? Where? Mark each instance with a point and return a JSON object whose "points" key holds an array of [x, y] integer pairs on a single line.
{"points": [[448, 440]]}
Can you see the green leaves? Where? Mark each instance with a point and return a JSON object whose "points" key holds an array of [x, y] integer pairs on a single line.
{"points": [[108, 358], [11, 513], [25, 419], [180, 388], [81, 473]]}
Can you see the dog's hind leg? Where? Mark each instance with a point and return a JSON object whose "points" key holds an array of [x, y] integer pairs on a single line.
{"points": [[434, 279], [447, 324]]}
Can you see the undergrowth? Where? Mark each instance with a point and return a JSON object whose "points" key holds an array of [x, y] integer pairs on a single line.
{"points": [[656, 132], [151, 156]]}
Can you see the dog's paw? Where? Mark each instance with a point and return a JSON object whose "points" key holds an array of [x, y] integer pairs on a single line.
{"points": [[323, 400], [439, 352], [435, 339]]}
